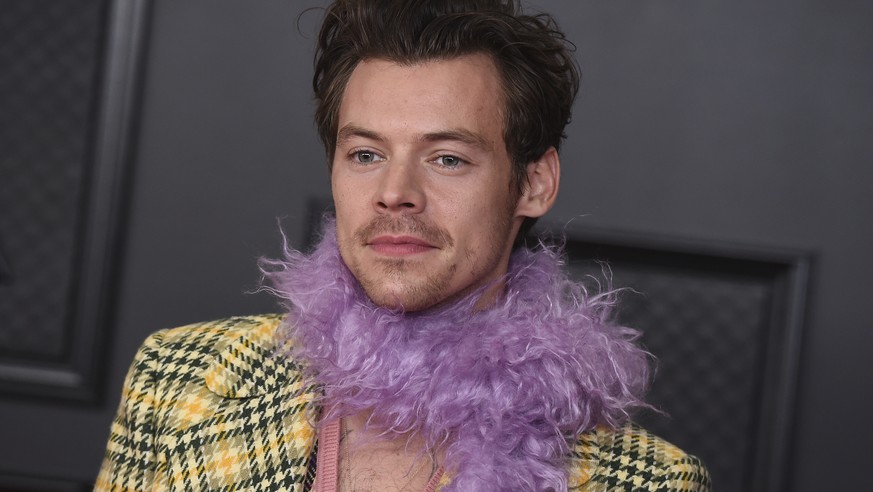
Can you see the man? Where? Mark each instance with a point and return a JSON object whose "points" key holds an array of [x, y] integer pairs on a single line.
{"points": [[423, 349]]}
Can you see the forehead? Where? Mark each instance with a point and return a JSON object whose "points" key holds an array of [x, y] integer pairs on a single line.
{"points": [[427, 96]]}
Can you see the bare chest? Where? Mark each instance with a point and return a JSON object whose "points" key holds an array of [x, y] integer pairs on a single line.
{"points": [[371, 470], [352, 458]]}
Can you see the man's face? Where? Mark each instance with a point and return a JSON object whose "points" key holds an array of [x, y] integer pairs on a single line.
{"points": [[422, 181]]}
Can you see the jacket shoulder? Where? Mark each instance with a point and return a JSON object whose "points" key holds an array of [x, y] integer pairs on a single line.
{"points": [[222, 352], [632, 458], [213, 335], [219, 382]]}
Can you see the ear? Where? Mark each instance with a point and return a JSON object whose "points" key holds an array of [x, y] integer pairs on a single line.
{"points": [[543, 178]]}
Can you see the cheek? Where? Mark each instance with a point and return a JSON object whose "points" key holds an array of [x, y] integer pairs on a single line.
{"points": [[350, 197], [345, 225], [344, 202], [342, 185]]}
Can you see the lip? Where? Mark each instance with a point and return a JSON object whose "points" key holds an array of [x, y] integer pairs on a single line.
{"points": [[399, 245]]}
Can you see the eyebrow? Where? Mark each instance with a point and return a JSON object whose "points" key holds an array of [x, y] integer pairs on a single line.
{"points": [[455, 134], [351, 131], [458, 135]]}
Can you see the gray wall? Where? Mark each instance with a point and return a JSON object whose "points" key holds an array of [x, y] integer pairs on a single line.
{"points": [[740, 121]]}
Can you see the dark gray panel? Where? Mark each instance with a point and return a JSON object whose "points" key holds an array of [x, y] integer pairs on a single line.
{"points": [[724, 324], [49, 60], [66, 91]]}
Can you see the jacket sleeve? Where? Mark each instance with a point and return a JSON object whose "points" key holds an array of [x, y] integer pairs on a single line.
{"points": [[688, 474], [130, 460]]}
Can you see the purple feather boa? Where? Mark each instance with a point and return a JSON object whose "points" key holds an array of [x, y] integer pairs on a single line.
{"points": [[505, 390]]}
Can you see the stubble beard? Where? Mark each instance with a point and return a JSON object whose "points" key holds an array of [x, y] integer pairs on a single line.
{"points": [[412, 290]]}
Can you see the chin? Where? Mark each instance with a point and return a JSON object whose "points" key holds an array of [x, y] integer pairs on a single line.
{"points": [[400, 302], [405, 296], [408, 291]]}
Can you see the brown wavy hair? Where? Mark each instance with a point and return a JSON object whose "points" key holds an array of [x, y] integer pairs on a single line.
{"points": [[538, 73]]}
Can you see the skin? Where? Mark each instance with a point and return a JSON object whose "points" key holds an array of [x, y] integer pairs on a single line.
{"points": [[369, 462], [421, 179]]}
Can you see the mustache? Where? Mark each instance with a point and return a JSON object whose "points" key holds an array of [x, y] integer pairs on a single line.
{"points": [[404, 224]]}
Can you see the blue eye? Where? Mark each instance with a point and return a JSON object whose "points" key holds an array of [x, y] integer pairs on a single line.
{"points": [[365, 156], [450, 161]]}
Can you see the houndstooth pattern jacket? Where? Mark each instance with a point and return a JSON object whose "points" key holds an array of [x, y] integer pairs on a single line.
{"points": [[210, 407]]}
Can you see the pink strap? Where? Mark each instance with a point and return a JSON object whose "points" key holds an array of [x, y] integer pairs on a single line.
{"points": [[434, 480], [327, 471]]}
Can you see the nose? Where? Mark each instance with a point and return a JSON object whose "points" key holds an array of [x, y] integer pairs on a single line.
{"points": [[400, 189]]}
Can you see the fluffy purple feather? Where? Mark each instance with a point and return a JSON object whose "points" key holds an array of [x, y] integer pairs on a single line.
{"points": [[508, 389]]}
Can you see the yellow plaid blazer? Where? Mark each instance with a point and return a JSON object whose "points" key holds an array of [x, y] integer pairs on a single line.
{"points": [[209, 407]]}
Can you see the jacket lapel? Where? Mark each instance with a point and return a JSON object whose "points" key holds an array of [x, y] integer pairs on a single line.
{"points": [[247, 366], [584, 461]]}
